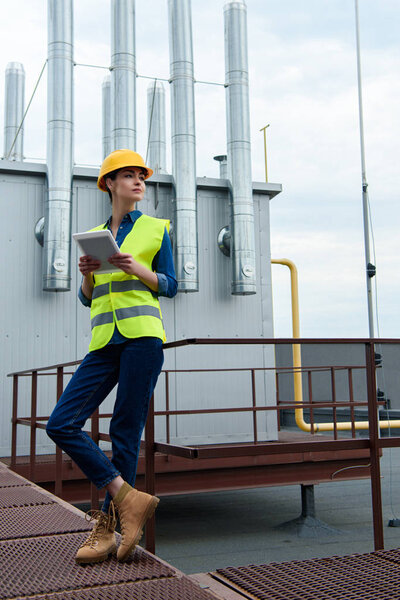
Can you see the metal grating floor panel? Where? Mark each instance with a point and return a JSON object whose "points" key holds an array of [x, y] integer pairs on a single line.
{"points": [[29, 521], [44, 565], [391, 555], [22, 496], [162, 589], [8, 478], [357, 577]]}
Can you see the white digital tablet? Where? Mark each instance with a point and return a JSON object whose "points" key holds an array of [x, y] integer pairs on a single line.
{"points": [[98, 244]]}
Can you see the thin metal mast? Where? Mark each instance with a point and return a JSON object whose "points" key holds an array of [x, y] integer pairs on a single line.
{"points": [[370, 268]]}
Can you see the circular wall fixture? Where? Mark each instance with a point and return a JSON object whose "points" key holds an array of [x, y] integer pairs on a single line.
{"points": [[224, 241], [39, 231]]}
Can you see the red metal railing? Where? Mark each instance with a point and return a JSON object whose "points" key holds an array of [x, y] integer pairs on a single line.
{"points": [[373, 443]]}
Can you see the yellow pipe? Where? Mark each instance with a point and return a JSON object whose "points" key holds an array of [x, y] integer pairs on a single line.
{"points": [[297, 376]]}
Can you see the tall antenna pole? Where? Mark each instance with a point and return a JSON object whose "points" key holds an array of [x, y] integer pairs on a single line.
{"points": [[370, 268]]}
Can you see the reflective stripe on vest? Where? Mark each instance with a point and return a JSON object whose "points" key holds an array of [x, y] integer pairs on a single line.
{"points": [[122, 300], [125, 313], [102, 319], [119, 286]]}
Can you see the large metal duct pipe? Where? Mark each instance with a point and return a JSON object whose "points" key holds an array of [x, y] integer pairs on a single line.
{"points": [[14, 111], [57, 231], [123, 75], [183, 141], [106, 111], [157, 145], [239, 150]]}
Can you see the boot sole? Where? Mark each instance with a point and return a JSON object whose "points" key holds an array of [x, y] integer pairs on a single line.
{"points": [[147, 515], [96, 559]]}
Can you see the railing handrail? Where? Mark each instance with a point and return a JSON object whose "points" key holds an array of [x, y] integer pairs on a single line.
{"points": [[50, 367], [234, 341], [273, 341]]}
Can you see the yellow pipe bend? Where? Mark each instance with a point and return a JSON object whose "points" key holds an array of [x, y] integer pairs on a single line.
{"points": [[297, 376]]}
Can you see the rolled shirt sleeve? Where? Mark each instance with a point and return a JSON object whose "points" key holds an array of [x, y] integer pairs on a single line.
{"points": [[85, 301], [163, 265]]}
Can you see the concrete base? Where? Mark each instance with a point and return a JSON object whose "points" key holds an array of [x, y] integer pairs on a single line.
{"points": [[307, 525]]}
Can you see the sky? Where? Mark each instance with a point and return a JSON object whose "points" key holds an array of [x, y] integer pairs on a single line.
{"points": [[303, 83]]}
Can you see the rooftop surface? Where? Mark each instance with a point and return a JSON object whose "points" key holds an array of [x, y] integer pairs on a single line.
{"points": [[205, 532]]}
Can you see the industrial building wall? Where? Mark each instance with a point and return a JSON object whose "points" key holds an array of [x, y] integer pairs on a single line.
{"points": [[42, 328]]}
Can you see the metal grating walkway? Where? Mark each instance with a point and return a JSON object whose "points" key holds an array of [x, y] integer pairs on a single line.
{"points": [[13, 497], [374, 576], [9, 479], [39, 536], [30, 521]]}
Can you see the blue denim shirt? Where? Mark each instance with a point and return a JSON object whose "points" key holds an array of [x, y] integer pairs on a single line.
{"points": [[163, 266]]}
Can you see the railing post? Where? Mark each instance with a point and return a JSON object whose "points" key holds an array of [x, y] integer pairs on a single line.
{"points": [[310, 399], [32, 455], [278, 412], [376, 491], [14, 424], [150, 474], [351, 398], [167, 423], [334, 411], [59, 461], [253, 398]]}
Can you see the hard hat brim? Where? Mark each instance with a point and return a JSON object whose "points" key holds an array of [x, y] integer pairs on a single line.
{"points": [[120, 159]]}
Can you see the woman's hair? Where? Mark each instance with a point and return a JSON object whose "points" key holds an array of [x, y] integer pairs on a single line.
{"points": [[112, 175]]}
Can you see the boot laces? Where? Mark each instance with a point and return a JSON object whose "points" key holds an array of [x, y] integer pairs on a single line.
{"points": [[105, 524]]}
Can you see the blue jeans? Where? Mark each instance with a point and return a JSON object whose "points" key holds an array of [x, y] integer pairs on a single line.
{"points": [[135, 365]]}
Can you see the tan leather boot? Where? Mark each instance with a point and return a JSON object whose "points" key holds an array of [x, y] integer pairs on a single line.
{"points": [[134, 508], [101, 541]]}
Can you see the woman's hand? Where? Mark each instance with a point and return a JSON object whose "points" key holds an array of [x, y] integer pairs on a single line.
{"points": [[88, 264], [125, 262], [129, 265]]}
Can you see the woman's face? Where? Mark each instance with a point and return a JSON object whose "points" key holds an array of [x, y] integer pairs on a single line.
{"points": [[128, 184]]}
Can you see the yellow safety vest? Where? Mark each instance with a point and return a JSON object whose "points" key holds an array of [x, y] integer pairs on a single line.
{"points": [[122, 300]]}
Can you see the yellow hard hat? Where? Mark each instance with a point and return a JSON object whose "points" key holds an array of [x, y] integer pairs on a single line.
{"points": [[118, 160]]}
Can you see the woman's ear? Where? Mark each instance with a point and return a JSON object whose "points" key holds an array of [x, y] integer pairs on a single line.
{"points": [[109, 182]]}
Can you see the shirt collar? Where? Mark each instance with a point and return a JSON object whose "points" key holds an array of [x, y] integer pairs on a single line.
{"points": [[133, 216]]}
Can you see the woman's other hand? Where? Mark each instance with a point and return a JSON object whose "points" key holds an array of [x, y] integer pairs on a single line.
{"points": [[88, 264], [125, 262], [129, 265]]}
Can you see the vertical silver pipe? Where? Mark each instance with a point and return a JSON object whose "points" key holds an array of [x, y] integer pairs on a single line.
{"points": [[14, 111], [123, 75], [183, 140], [156, 148], [239, 149], [106, 115], [57, 232]]}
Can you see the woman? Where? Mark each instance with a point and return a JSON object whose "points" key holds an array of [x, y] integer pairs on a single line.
{"points": [[126, 348]]}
